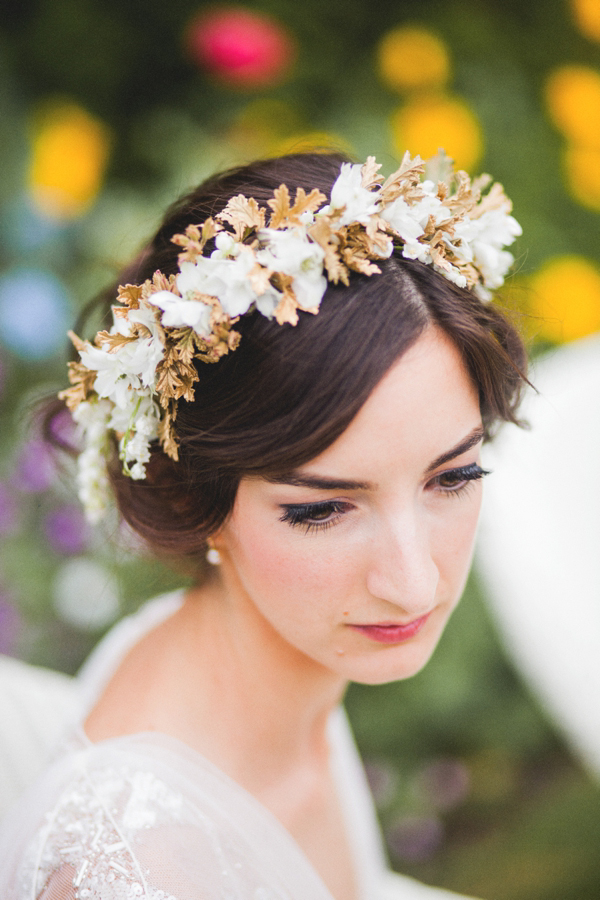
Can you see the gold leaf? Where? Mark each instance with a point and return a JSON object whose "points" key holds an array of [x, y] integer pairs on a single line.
{"points": [[284, 215], [166, 435], [369, 173], [244, 214], [184, 345], [195, 239], [82, 380], [323, 234], [259, 277], [311, 202], [286, 310], [280, 204], [359, 263], [496, 199], [162, 282], [76, 341], [114, 341], [175, 380], [129, 295], [405, 181]]}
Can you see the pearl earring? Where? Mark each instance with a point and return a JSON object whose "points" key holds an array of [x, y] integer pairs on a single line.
{"points": [[212, 554]]}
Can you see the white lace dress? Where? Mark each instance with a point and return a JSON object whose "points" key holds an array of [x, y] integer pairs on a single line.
{"points": [[145, 816]]}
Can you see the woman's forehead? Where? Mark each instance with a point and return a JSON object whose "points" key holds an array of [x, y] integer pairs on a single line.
{"points": [[424, 407]]}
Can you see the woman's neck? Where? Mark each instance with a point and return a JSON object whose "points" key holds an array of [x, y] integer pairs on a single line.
{"points": [[253, 691], [218, 677]]}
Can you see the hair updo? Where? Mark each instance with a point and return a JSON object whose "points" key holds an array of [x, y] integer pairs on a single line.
{"points": [[288, 392]]}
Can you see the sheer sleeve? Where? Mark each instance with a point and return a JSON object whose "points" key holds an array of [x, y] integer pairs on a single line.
{"points": [[134, 819]]}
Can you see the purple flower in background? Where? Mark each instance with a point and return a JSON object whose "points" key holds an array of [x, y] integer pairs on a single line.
{"points": [[383, 780], [63, 428], [66, 530], [415, 838], [444, 783], [9, 510], [35, 467], [10, 625]]}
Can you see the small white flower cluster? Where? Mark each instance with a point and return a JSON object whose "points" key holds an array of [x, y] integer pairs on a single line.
{"points": [[479, 241], [226, 275], [453, 233], [92, 418]]}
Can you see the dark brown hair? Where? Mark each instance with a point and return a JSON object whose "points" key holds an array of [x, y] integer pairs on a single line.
{"points": [[288, 392]]}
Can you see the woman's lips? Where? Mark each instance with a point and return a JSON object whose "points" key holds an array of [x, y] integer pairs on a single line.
{"points": [[391, 633]]}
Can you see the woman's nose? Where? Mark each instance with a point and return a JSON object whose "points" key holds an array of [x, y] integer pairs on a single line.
{"points": [[402, 569]]}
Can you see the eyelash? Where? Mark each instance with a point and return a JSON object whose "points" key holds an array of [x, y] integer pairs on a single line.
{"points": [[460, 479], [306, 515]]}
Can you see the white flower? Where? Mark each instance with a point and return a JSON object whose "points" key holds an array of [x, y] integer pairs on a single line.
{"points": [[267, 303], [482, 240], [291, 252], [124, 369], [178, 312], [401, 216], [92, 478], [453, 274], [226, 246], [224, 278], [359, 203], [138, 423]]}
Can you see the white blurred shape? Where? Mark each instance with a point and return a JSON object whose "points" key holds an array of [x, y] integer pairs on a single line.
{"points": [[86, 594], [539, 543]]}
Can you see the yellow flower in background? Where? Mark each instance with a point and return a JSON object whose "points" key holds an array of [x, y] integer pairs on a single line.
{"points": [[573, 101], [565, 296], [587, 17], [70, 152], [582, 169], [411, 57], [426, 124]]}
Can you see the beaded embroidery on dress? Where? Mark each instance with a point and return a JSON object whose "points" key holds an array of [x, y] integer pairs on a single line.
{"points": [[144, 817]]}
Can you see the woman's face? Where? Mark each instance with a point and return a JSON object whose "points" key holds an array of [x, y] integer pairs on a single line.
{"points": [[356, 560]]}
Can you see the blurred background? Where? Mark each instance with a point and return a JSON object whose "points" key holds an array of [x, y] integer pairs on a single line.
{"points": [[108, 111]]}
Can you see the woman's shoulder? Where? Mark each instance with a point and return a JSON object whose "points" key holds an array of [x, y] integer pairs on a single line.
{"points": [[81, 824], [141, 816]]}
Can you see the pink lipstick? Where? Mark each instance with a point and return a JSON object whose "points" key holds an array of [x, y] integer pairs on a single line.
{"points": [[391, 633]]}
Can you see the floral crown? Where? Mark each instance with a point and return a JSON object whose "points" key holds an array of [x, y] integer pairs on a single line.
{"points": [[277, 261]]}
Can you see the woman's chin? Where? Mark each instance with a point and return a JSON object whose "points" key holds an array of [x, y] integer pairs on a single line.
{"points": [[387, 666]]}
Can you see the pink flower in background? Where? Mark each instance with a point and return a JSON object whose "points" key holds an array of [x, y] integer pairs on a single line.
{"points": [[242, 47]]}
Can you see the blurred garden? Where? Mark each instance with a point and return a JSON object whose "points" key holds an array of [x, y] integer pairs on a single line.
{"points": [[109, 111]]}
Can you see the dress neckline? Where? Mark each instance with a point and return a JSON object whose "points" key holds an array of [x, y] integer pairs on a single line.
{"points": [[103, 663], [144, 742]]}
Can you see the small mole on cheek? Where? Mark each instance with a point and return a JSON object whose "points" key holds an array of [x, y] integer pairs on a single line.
{"points": [[347, 613]]}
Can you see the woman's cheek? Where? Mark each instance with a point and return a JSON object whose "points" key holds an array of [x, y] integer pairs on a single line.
{"points": [[282, 566], [454, 539]]}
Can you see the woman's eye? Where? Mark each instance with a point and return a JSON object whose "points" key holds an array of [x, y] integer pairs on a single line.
{"points": [[313, 516], [455, 480]]}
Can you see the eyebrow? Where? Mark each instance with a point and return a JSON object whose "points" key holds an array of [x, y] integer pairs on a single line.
{"points": [[470, 441], [323, 483]]}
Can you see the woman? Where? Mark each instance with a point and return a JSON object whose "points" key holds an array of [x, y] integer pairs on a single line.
{"points": [[324, 458]]}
